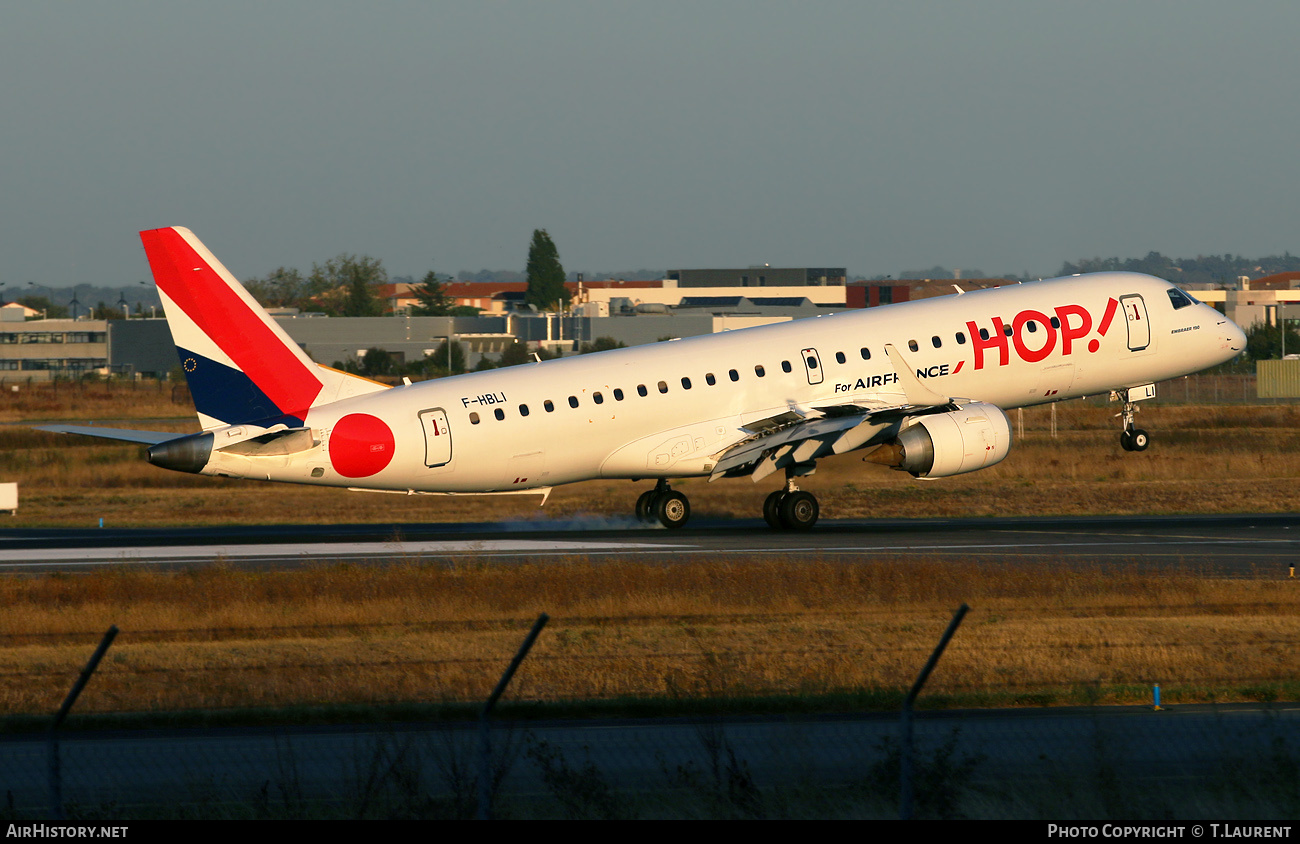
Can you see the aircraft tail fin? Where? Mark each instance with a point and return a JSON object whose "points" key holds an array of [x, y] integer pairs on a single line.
{"points": [[240, 364]]}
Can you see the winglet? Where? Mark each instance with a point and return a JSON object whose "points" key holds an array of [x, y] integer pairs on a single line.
{"points": [[916, 392]]}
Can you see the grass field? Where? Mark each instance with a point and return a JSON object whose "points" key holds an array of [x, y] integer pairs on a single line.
{"points": [[1204, 459], [807, 632]]}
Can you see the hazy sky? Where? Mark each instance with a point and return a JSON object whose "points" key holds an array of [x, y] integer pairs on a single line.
{"points": [[1008, 136]]}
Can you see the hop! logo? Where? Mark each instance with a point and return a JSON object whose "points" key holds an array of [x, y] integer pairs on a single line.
{"points": [[1071, 324]]}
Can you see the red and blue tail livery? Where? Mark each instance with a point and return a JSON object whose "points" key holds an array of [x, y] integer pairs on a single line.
{"points": [[240, 365]]}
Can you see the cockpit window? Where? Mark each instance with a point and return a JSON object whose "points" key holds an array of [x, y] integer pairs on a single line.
{"points": [[1178, 298]]}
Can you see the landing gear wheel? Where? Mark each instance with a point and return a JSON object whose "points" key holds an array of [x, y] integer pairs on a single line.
{"points": [[799, 510], [1126, 440], [1139, 440], [672, 509], [645, 506], [772, 509]]}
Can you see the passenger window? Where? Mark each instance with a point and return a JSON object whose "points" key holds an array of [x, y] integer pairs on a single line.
{"points": [[663, 386], [597, 398], [523, 410], [911, 344], [549, 405], [839, 357], [499, 414], [1056, 322], [735, 376], [1006, 329], [686, 383], [984, 334], [709, 379], [936, 341], [961, 339], [811, 362], [866, 354], [759, 371], [573, 401], [641, 390], [618, 394], [473, 418], [1032, 326], [785, 366]]}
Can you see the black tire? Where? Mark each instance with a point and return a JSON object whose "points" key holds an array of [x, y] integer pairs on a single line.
{"points": [[1139, 440], [645, 506], [1126, 440], [799, 510], [672, 509], [772, 510]]}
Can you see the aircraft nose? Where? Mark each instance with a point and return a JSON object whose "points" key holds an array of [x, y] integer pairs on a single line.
{"points": [[1236, 338]]}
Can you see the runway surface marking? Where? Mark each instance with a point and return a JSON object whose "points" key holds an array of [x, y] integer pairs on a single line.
{"points": [[495, 547]]}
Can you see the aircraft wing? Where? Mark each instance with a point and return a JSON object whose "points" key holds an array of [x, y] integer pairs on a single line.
{"points": [[124, 434], [838, 429], [794, 437]]}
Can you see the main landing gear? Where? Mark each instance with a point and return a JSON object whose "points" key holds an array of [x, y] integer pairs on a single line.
{"points": [[669, 508], [1131, 438], [791, 508]]}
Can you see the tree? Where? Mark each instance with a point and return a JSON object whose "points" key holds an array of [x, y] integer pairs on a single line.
{"points": [[433, 298], [601, 344], [283, 287], [44, 305], [105, 311], [377, 362], [545, 274], [515, 354], [440, 360], [348, 285]]}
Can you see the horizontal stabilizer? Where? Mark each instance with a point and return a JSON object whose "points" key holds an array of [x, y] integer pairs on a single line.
{"points": [[123, 434]]}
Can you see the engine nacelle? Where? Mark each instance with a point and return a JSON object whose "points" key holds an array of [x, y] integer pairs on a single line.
{"points": [[976, 436]]}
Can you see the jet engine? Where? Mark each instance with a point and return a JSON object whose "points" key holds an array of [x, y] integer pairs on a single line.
{"points": [[975, 436]]}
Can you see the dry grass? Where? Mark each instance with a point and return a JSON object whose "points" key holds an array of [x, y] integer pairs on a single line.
{"points": [[1203, 460], [707, 629], [413, 632]]}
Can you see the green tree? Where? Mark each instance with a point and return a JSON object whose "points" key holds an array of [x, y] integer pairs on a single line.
{"points": [[283, 287], [439, 360], [515, 354], [378, 362], [601, 344], [106, 311], [43, 304], [545, 274], [348, 285], [433, 298], [1264, 342]]}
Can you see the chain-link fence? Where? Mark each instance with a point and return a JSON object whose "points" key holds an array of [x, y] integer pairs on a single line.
{"points": [[1184, 763]]}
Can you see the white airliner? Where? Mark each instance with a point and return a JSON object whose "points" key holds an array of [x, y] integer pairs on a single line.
{"points": [[920, 386]]}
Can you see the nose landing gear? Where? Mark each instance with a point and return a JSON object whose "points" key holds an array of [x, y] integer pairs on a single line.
{"points": [[1131, 438]]}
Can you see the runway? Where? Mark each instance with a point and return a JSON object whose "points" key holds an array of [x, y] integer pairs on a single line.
{"points": [[1252, 545]]}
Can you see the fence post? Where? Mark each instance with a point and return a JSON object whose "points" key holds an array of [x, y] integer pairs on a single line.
{"points": [[485, 741], [905, 741], [56, 773]]}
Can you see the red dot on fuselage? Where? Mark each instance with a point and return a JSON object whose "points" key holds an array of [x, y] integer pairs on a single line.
{"points": [[1093, 345], [360, 445]]}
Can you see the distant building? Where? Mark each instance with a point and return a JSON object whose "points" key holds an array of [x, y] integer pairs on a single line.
{"points": [[871, 294], [45, 349], [762, 276]]}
